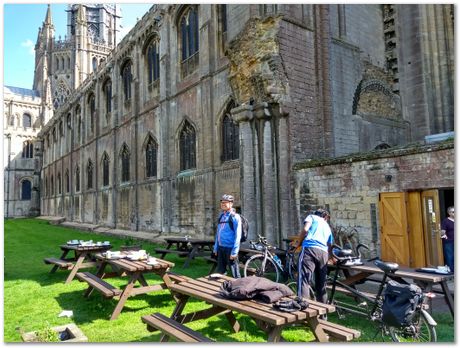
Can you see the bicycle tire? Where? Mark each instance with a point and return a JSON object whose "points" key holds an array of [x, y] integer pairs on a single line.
{"points": [[254, 266], [421, 331]]}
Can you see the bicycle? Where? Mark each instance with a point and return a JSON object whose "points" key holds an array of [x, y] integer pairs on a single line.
{"points": [[421, 327], [268, 265]]}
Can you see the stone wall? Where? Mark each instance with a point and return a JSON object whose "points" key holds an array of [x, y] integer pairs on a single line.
{"points": [[349, 186]]}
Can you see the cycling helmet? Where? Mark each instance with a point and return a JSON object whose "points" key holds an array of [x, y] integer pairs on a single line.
{"points": [[227, 198]]}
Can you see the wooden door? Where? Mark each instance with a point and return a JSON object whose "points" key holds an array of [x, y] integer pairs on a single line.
{"points": [[416, 230], [393, 228], [432, 228]]}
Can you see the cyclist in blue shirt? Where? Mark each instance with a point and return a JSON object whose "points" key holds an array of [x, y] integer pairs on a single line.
{"points": [[227, 243], [316, 238]]}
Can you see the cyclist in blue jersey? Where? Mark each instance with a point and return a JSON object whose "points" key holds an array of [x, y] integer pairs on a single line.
{"points": [[316, 238], [227, 244]]}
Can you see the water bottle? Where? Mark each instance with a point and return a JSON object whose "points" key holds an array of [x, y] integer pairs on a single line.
{"points": [[277, 260]]}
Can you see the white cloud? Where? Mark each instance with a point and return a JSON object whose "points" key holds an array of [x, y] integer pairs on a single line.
{"points": [[29, 45]]}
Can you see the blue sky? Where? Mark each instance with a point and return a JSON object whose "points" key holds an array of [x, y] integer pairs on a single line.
{"points": [[21, 23]]}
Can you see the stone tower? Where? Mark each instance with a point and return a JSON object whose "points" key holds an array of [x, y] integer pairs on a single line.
{"points": [[62, 64]]}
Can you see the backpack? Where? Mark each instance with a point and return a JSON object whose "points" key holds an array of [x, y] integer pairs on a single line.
{"points": [[244, 227], [400, 302]]}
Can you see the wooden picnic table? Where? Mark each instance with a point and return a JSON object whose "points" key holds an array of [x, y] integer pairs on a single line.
{"points": [[134, 270], [266, 317], [83, 258], [357, 274], [189, 247]]}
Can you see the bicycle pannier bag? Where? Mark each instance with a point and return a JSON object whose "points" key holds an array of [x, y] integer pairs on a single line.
{"points": [[400, 302]]}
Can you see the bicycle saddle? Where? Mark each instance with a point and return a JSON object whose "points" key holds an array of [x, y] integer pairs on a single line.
{"points": [[343, 252], [387, 266]]}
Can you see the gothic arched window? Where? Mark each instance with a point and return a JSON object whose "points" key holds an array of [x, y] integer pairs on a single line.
{"points": [[187, 147], [151, 150], [189, 32], [125, 157], [59, 183], [67, 181], [127, 78], [52, 185], [94, 64], [230, 137], [78, 120], [105, 169], [153, 61], [26, 190], [47, 188], [107, 90], [77, 179], [26, 121], [92, 111], [189, 40], [89, 175], [27, 150], [222, 29]]}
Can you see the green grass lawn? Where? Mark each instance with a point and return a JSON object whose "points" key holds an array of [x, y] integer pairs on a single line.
{"points": [[33, 297]]}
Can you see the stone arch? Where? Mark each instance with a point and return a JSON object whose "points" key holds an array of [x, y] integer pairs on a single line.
{"points": [[377, 93]]}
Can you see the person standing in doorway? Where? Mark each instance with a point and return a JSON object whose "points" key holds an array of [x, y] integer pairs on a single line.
{"points": [[447, 235], [316, 240], [227, 243]]}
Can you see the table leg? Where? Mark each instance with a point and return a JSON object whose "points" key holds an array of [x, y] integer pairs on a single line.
{"points": [[448, 297], [317, 329], [233, 322], [167, 248], [191, 255], [124, 295], [62, 257], [274, 334], [76, 267], [180, 305]]}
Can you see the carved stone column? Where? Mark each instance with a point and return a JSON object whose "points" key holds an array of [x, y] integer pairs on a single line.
{"points": [[243, 115], [284, 176], [267, 185]]}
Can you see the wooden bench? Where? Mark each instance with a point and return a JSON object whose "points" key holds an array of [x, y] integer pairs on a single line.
{"points": [[339, 332], [172, 328], [171, 251], [66, 264], [106, 289]]}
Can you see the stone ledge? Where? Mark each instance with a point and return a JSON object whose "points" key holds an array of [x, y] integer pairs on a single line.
{"points": [[73, 333]]}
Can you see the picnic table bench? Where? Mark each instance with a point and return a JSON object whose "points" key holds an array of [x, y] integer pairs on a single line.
{"points": [[83, 258], [357, 274], [187, 247], [134, 270], [172, 328], [266, 317]]}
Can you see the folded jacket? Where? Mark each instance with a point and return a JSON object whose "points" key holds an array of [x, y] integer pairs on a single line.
{"points": [[254, 287]]}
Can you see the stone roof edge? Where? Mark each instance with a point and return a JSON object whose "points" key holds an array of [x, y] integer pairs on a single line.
{"points": [[377, 154]]}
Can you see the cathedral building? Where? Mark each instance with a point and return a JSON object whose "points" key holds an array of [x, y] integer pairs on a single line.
{"points": [[286, 106]]}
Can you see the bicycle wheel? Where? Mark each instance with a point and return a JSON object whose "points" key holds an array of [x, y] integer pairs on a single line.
{"points": [[419, 331], [254, 266]]}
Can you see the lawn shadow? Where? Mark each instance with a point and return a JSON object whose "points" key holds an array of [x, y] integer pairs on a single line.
{"points": [[97, 307]]}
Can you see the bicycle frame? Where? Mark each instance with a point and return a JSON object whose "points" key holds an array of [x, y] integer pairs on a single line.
{"points": [[377, 301]]}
